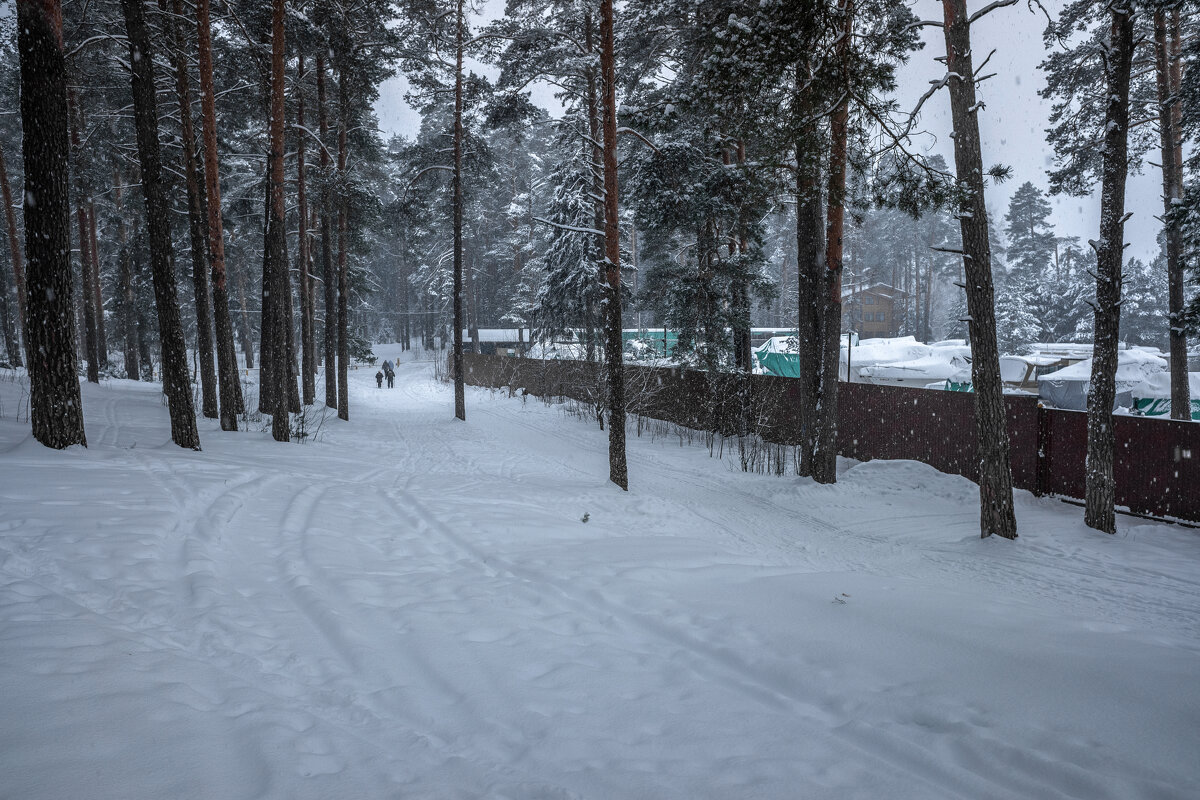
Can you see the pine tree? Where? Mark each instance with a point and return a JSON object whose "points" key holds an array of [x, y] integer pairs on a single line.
{"points": [[174, 357], [56, 408], [1114, 56], [991, 429]]}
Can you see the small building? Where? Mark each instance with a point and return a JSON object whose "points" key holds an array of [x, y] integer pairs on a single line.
{"points": [[872, 309], [499, 341]]}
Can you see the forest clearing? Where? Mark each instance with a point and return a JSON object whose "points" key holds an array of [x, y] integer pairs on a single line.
{"points": [[412, 606]]}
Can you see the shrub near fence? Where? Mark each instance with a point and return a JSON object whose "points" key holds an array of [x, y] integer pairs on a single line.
{"points": [[1157, 465]]}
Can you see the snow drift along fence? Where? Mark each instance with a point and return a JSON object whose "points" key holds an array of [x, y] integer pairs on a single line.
{"points": [[1157, 461]]}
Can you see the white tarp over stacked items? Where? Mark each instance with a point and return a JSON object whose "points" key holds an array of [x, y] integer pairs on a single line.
{"points": [[904, 361], [1137, 368]]}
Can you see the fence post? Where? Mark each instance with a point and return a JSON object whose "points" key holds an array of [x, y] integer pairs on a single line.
{"points": [[1043, 450]]}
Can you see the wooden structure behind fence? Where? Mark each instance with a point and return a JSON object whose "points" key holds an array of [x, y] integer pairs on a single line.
{"points": [[1157, 464]]}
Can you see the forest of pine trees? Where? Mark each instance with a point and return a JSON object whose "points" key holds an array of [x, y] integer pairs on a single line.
{"points": [[206, 192]]}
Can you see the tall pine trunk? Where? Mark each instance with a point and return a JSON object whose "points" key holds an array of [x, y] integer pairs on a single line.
{"points": [[196, 223], [329, 341], [824, 460], [996, 515], [12, 343], [227, 371], [275, 328], [1100, 491], [618, 471], [55, 405], [307, 350], [1166, 69], [86, 296], [810, 266], [170, 329], [97, 294], [343, 290], [14, 246], [460, 401], [245, 329], [128, 316]]}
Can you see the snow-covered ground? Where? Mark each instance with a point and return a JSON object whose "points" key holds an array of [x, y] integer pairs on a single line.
{"points": [[414, 607]]}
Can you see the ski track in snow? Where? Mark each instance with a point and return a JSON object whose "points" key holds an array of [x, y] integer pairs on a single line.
{"points": [[410, 606]]}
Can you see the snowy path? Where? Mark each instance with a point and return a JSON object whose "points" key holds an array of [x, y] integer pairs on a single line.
{"points": [[412, 607]]}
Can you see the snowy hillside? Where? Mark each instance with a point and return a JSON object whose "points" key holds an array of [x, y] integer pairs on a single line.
{"points": [[416, 607]]}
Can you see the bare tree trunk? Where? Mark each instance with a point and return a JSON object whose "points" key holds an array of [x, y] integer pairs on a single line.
{"points": [[14, 245], [460, 400], [618, 471], [810, 258], [196, 223], [245, 329], [98, 297], [307, 346], [275, 276], [1100, 492], [12, 344], [343, 315], [824, 462], [173, 352], [91, 349], [1167, 72], [227, 371], [128, 317], [56, 408], [330, 279], [991, 427]]}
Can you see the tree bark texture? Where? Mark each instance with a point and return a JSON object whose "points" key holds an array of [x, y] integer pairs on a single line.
{"points": [[230, 387], [86, 297], [275, 329], [1166, 68], [97, 294], [996, 515], [824, 460], [460, 400], [329, 343], [12, 343], [307, 350], [810, 263], [170, 329], [1100, 491], [56, 408], [618, 471], [128, 315], [196, 223], [14, 246], [343, 290]]}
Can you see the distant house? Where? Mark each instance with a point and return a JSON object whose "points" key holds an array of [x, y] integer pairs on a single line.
{"points": [[872, 309], [499, 341]]}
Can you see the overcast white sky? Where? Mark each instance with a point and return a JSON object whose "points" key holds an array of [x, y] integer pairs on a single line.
{"points": [[1012, 125]]}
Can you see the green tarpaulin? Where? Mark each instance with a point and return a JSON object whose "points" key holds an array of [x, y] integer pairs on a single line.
{"points": [[1161, 407]]}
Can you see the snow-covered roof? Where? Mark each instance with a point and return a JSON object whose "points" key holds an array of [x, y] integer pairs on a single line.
{"points": [[1134, 366], [1015, 368], [779, 344], [940, 365], [885, 351], [1159, 385], [879, 288], [499, 335]]}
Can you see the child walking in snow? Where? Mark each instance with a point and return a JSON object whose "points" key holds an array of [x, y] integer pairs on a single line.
{"points": [[379, 379]]}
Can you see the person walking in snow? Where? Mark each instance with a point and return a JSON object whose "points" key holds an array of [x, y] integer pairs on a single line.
{"points": [[390, 372], [379, 379]]}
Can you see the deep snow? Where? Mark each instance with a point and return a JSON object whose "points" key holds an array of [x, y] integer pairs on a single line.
{"points": [[414, 607]]}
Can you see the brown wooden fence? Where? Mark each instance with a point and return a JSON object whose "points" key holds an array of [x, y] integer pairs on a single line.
{"points": [[1157, 465]]}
